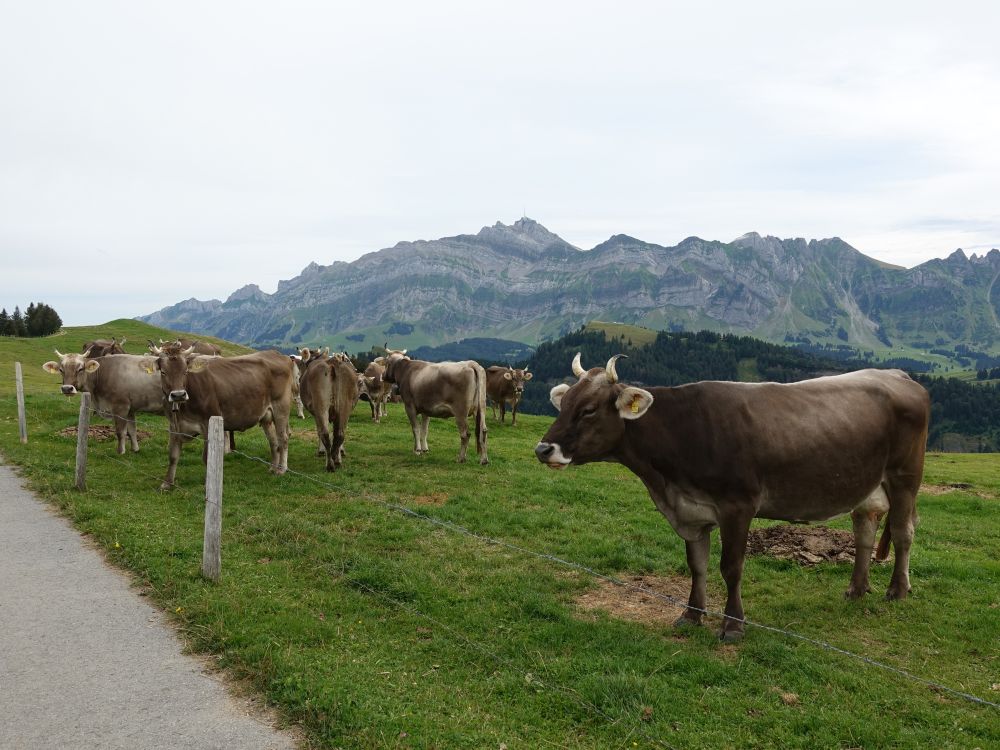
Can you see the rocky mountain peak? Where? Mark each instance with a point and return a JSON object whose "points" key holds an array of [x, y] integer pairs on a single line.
{"points": [[524, 236], [248, 292]]}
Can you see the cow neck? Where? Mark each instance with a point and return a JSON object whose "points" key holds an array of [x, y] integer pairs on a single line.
{"points": [[646, 448]]}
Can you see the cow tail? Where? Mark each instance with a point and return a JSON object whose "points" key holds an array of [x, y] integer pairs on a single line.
{"points": [[480, 410], [882, 551]]}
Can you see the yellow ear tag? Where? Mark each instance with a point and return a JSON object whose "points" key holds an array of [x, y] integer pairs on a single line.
{"points": [[149, 370], [635, 404]]}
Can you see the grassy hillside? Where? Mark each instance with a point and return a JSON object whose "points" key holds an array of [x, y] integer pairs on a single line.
{"points": [[373, 628], [638, 335]]}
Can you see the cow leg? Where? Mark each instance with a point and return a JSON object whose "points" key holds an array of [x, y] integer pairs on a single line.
{"points": [[231, 443], [697, 559], [503, 410], [902, 513], [865, 525], [462, 421], [336, 457], [282, 426], [425, 423], [121, 432], [734, 529], [271, 432], [373, 403], [513, 414], [175, 454], [411, 414], [493, 408], [131, 429], [299, 407]]}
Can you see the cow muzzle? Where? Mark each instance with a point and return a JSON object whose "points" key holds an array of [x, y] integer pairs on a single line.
{"points": [[176, 398], [68, 390], [551, 455]]}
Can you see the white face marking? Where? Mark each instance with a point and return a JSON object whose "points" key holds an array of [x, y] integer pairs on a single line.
{"points": [[556, 459]]}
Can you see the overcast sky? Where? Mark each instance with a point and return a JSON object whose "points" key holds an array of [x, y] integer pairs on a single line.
{"points": [[151, 152]]}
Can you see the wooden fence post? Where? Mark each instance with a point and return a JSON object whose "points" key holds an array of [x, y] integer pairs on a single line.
{"points": [[211, 559], [82, 431], [22, 424]]}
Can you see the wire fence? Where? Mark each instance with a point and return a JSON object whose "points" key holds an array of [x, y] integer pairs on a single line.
{"points": [[492, 541]]}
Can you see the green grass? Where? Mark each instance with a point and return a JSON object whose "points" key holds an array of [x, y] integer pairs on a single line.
{"points": [[371, 628], [640, 336]]}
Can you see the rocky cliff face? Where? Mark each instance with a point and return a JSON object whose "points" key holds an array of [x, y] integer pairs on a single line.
{"points": [[524, 283]]}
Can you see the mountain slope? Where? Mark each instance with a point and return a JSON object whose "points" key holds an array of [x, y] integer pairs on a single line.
{"points": [[524, 283]]}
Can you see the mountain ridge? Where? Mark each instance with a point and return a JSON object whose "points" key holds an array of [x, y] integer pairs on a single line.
{"points": [[522, 282]]}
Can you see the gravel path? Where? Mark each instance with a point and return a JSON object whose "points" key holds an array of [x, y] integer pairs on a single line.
{"points": [[86, 663]]}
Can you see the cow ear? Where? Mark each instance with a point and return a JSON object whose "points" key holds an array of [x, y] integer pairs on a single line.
{"points": [[92, 365], [632, 402], [508, 376], [556, 395], [527, 375], [51, 367], [197, 365]]}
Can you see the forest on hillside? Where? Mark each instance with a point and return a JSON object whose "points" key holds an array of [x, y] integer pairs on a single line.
{"points": [[964, 416]]}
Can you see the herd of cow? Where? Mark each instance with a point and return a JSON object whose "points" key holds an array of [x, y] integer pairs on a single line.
{"points": [[190, 381], [711, 454]]}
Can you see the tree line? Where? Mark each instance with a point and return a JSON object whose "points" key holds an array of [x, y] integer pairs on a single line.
{"points": [[958, 408], [38, 320]]}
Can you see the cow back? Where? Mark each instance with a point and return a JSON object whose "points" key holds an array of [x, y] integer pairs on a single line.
{"points": [[126, 380], [239, 389]]}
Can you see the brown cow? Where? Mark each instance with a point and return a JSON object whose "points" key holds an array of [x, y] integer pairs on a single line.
{"points": [[102, 347], [377, 388], [441, 389], [503, 385], [245, 391], [329, 390], [121, 385], [720, 454]]}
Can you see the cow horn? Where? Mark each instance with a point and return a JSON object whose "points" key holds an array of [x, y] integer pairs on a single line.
{"points": [[187, 351], [577, 367], [610, 368], [58, 354], [122, 342], [87, 353]]}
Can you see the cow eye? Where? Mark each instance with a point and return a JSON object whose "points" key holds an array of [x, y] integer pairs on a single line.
{"points": [[588, 413]]}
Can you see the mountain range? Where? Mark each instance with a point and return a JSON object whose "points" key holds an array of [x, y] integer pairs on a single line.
{"points": [[525, 284]]}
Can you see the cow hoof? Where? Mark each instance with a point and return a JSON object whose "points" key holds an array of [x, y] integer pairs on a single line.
{"points": [[731, 636], [166, 487], [856, 592], [894, 592], [483, 461], [684, 622]]}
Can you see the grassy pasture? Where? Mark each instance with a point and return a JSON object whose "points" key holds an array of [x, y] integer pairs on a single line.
{"points": [[371, 628]]}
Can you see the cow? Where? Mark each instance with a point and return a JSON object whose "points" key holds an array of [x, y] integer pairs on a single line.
{"points": [[377, 388], [329, 387], [720, 454], [101, 347], [441, 389], [245, 391], [198, 347], [120, 385], [503, 385]]}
